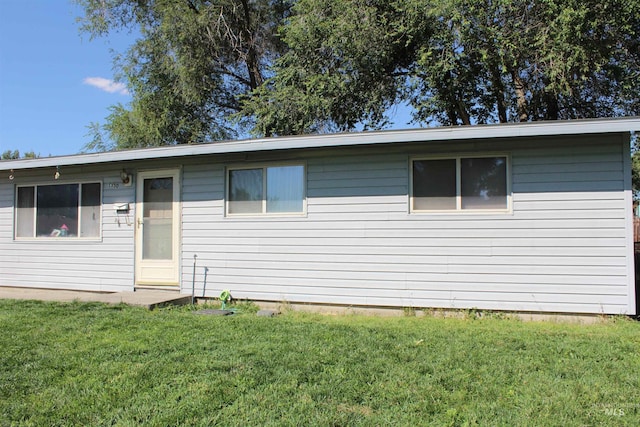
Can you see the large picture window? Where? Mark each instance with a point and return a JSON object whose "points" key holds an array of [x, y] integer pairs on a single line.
{"points": [[60, 210], [266, 190], [460, 184]]}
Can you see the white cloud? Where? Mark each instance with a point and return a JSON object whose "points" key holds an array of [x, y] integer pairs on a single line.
{"points": [[106, 85]]}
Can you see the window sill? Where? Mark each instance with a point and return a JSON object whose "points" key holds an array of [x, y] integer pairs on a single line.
{"points": [[266, 215], [463, 213], [58, 239]]}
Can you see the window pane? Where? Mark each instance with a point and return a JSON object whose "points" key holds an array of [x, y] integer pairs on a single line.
{"points": [[90, 210], [25, 212], [245, 191], [158, 198], [157, 213], [484, 183], [434, 184], [57, 210], [285, 189]]}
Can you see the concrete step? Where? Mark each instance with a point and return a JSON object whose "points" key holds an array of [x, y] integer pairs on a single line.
{"points": [[147, 298]]}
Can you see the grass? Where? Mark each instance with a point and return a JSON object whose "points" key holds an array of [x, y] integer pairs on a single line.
{"points": [[92, 364]]}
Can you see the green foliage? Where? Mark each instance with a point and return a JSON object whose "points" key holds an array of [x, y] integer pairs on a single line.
{"points": [[346, 64], [100, 142], [208, 70], [93, 364], [11, 155], [15, 154], [185, 72], [453, 61], [635, 164]]}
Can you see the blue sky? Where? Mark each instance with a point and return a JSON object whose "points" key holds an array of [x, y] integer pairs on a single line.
{"points": [[53, 80]]}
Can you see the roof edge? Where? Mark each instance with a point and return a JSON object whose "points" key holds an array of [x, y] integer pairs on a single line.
{"points": [[426, 135]]}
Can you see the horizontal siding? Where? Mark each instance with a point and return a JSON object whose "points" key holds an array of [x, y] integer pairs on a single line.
{"points": [[607, 230], [104, 264], [444, 292], [364, 279], [562, 249], [569, 169], [6, 212]]}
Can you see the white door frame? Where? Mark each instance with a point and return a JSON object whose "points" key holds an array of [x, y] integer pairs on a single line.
{"points": [[157, 272]]}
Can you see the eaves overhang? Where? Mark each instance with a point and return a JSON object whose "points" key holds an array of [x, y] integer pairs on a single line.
{"points": [[422, 135]]}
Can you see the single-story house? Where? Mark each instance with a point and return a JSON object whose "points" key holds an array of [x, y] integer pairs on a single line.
{"points": [[532, 217]]}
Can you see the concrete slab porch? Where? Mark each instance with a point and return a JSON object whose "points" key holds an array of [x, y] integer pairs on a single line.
{"points": [[148, 298]]}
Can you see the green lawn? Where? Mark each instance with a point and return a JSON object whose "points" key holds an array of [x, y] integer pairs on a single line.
{"points": [[93, 364]]}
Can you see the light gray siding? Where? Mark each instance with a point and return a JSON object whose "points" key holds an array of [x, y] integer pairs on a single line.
{"points": [[102, 264], [563, 248]]}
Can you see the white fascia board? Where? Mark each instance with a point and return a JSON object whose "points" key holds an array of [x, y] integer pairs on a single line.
{"points": [[425, 135]]}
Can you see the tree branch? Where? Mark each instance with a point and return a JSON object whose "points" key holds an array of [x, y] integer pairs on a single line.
{"points": [[192, 6]]}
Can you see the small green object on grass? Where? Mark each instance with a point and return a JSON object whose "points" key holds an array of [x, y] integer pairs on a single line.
{"points": [[225, 297]]}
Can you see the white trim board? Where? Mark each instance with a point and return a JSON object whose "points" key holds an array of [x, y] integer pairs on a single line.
{"points": [[425, 135]]}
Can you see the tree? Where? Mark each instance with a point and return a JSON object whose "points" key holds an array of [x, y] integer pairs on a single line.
{"points": [[11, 155], [207, 70], [186, 71], [525, 60], [15, 154], [454, 61], [347, 63], [635, 165]]}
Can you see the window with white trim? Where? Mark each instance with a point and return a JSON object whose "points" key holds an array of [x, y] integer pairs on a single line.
{"points": [[58, 210], [266, 190], [460, 184]]}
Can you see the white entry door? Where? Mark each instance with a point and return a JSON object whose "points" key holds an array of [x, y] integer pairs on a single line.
{"points": [[157, 227]]}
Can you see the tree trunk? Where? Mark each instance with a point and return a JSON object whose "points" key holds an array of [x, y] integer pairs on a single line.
{"points": [[451, 114], [552, 108], [521, 96], [498, 93], [463, 113], [252, 60]]}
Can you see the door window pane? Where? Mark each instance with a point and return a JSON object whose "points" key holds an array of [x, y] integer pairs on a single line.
{"points": [[285, 189], [158, 218], [434, 184], [484, 183]]}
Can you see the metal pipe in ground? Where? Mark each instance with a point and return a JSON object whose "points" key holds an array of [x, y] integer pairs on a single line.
{"points": [[193, 280]]}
